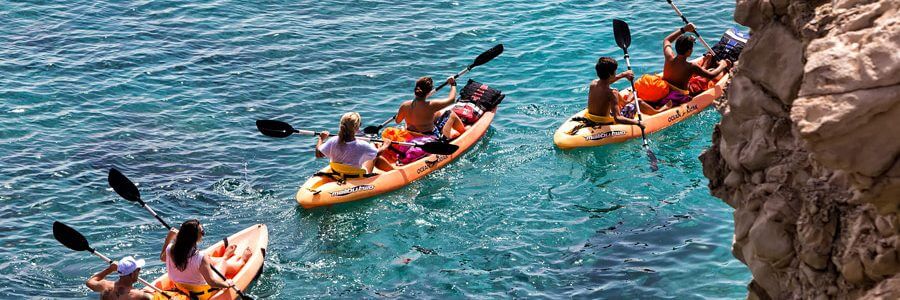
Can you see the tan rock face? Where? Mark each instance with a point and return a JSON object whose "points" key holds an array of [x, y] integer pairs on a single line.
{"points": [[808, 149]]}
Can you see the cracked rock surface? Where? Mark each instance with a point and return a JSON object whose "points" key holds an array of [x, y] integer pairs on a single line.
{"points": [[808, 149]]}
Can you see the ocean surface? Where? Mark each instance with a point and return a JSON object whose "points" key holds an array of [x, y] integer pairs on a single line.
{"points": [[168, 92]]}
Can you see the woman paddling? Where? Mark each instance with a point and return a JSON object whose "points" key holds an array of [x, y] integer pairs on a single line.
{"points": [[349, 157], [188, 267]]}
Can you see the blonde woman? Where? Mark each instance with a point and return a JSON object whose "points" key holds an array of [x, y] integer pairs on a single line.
{"points": [[348, 155]]}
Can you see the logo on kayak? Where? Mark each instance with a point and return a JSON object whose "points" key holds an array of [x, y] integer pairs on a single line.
{"points": [[603, 135], [687, 110], [429, 164], [365, 187]]}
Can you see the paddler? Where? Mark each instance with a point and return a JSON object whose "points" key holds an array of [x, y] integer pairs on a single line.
{"points": [[349, 157], [129, 269], [422, 115], [188, 266], [677, 70], [603, 100]]}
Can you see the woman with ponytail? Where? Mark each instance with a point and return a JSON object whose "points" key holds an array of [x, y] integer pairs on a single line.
{"points": [[348, 155], [188, 266]]}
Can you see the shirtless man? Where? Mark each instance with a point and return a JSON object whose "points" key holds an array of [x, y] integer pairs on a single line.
{"points": [[677, 70], [128, 269], [422, 116], [603, 101]]}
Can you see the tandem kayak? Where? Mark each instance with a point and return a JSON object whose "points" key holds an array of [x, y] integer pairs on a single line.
{"points": [[323, 190], [617, 133], [256, 238]]}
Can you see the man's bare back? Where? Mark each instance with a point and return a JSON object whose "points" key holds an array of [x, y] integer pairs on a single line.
{"points": [[601, 98]]}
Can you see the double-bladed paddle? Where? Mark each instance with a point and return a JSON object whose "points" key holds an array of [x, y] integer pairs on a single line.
{"points": [[125, 188], [677, 11], [482, 58], [74, 240], [623, 39], [281, 129]]}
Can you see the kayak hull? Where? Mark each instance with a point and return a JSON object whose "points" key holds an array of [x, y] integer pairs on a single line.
{"points": [[617, 133], [257, 238], [321, 191]]}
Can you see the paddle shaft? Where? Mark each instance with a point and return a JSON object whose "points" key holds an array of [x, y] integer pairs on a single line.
{"points": [[686, 22], [364, 138], [461, 73], [109, 261], [223, 278], [637, 101], [145, 206]]}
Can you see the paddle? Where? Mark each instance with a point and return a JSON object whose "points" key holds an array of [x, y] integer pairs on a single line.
{"points": [[686, 22], [482, 58], [281, 129], [74, 240], [129, 191], [623, 39]]}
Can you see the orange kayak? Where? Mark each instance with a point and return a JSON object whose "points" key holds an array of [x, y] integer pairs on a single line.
{"points": [[323, 190], [617, 133], [255, 237]]}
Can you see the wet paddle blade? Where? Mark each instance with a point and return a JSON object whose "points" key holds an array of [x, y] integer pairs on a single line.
{"points": [[70, 237], [654, 163], [487, 56], [274, 128], [623, 34], [123, 186], [439, 148]]}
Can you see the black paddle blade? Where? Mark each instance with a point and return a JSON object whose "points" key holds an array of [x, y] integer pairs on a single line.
{"points": [[487, 56], [123, 186], [371, 129], [623, 34], [70, 237], [439, 148], [274, 128]]}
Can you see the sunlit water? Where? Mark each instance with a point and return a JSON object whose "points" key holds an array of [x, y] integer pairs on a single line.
{"points": [[168, 91]]}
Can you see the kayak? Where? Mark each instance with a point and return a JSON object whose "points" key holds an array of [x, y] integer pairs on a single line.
{"points": [[617, 133], [323, 190], [255, 237]]}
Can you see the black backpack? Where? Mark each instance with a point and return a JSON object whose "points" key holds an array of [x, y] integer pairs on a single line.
{"points": [[487, 98]]}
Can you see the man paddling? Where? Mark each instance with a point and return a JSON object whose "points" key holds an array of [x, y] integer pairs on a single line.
{"points": [[677, 70], [128, 269], [603, 100], [422, 116]]}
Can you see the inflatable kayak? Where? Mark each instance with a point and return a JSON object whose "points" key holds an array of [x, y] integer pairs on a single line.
{"points": [[617, 133], [256, 238], [324, 190]]}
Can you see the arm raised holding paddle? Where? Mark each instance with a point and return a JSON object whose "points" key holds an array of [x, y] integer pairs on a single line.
{"points": [[482, 58]]}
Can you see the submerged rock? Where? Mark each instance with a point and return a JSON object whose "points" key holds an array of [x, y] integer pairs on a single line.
{"points": [[808, 149]]}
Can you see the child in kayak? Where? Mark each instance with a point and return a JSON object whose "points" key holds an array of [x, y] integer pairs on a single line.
{"points": [[129, 269], [603, 101], [677, 70], [189, 267], [349, 157], [422, 116]]}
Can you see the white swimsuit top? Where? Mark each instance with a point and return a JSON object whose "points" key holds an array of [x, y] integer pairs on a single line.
{"points": [[191, 274]]}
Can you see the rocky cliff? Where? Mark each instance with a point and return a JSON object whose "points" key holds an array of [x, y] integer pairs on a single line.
{"points": [[807, 149]]}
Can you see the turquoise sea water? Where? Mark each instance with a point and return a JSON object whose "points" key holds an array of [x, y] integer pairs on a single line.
{"points": [[168, 91]]}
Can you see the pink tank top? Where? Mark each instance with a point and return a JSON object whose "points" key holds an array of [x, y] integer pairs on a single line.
{"points": [[191, 274]]}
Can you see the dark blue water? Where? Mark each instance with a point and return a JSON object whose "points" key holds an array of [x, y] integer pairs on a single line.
{"points": [[168, 92]]}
